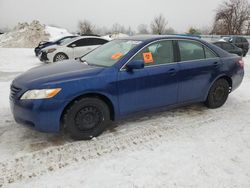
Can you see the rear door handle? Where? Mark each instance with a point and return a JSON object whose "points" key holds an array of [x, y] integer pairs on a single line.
{"points": [[172, 72]]}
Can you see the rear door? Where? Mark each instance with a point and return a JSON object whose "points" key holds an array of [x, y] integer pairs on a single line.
{"points": [[153, 86], [198, 68]]}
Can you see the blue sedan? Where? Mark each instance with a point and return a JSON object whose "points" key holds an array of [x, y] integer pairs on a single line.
{"points": [[121, 78]]}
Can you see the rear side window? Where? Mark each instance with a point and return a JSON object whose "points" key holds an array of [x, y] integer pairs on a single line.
{"points": [[209, 54], [157, 53], [238, 40], [191, 50], [228, 46], [244, 40], [80, 42], [95, 41]]}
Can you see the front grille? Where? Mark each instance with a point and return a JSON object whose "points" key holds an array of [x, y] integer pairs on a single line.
{"points": [[14, 91]]}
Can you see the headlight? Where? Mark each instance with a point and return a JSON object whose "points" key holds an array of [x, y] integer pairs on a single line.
{"points": [[51, 50], [40, 93]]}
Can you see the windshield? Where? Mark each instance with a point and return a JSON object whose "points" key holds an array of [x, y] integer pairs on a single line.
{"points": [[109, 53]]}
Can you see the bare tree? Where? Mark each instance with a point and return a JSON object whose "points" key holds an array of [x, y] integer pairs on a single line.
{"points": [[86, 27], [117, 28], [231, 17], [170, 31], [193, 31], [248, 28], [142, 29], [206, 30], [158, 25]]}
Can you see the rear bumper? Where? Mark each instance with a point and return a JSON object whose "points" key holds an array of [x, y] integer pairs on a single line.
{"points": [[237, 79]]}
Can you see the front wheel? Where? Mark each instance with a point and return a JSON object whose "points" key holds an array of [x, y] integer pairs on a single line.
{"points": [[218, 94], [60, 57], [86, 118]]}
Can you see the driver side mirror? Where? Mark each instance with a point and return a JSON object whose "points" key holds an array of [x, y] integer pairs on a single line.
{"points": [[135, 64]]}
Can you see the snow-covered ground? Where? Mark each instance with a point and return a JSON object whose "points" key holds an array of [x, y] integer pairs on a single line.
{"points": [[186, 147]]}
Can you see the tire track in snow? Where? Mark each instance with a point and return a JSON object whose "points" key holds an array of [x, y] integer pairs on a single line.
{"points": [[130, 135]]}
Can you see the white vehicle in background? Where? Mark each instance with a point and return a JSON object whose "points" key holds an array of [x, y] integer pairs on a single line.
{"points": [[71, 48]]}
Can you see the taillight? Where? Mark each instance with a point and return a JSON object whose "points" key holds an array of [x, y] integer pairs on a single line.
{"points": [[241, 63]]}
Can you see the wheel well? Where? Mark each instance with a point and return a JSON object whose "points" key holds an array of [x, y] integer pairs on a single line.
{"points": [[54, 58], [229, 80], [92, 95]]}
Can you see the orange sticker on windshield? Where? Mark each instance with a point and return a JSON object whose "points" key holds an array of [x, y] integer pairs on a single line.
{"points": [[116, 55], [148, 57]]}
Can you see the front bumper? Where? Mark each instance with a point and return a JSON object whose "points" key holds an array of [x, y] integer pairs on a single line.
{"points": [[42, 115], [43, 56], [37, 51]]}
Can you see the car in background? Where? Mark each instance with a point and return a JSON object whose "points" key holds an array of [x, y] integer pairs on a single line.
{"points": [[45, 44], [239, 41], [121, 78], [70, 49], [229, 47]]}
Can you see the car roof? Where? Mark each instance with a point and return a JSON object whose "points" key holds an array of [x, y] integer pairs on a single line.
{"points": [[157, 37], [83, 37]]}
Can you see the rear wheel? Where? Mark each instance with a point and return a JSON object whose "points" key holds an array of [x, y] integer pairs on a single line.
{"points": [[86, 118], [60, 57], [218, 94]]}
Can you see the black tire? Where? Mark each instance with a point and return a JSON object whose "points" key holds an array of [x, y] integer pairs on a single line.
{"points": [[86, 118], [218, 94], [60, 57]]}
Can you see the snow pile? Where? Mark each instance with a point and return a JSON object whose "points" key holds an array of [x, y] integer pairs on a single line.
{"points": [[26, 35], [56, 33]]}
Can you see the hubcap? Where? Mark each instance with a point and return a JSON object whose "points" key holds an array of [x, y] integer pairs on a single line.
{"points": [[219, 93], [88, 118], [60, 57]]}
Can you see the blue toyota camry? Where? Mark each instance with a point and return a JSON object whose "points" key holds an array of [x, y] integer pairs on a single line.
{"points": [[121, 78]]}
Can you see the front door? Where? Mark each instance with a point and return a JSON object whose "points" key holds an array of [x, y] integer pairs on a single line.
{"points": [[155, 85]]}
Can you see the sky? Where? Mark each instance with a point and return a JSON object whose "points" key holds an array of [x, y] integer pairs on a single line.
{"points": [[180, 14]]}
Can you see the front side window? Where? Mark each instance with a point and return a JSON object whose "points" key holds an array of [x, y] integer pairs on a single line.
{"points": [[157, 53]]}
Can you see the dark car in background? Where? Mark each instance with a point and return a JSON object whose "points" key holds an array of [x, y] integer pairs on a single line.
{"points": [[238, 41], [45, 44], [229, 47]]}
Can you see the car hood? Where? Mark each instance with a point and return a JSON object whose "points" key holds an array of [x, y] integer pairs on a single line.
{"points": [[55, 73]]}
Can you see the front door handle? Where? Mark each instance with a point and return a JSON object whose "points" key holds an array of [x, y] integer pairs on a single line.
{"points": [[216, 64], [172, 72]]}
